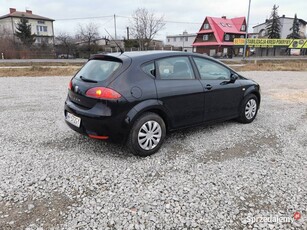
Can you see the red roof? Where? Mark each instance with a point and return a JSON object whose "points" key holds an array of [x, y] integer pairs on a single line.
{"points": [[220, 26], [238, 22]]}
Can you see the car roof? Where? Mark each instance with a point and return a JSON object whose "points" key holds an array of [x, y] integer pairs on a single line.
{"points": [[143, 56], [139, 57]]}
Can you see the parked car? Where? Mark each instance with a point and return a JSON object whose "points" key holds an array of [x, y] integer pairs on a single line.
{"points": [[66, 56], [137, 97]]}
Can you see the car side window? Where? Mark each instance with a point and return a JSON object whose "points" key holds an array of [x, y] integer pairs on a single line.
{"points": [[175, 68], [210, 70], [149, 68]]}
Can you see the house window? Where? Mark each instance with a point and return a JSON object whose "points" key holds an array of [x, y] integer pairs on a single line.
{"points": [[174, 39], [168, 40], [206, 26], [40, 22], [227, 37], [186, 39], [41, 29], [181, 39], [228, 24], [243, 27], [223, 24], [242, 36], [206, 37]]}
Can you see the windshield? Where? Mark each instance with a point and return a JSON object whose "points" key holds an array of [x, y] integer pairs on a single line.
{"points": [[97, 70]]}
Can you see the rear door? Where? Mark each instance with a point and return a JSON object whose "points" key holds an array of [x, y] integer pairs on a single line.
{"points": [[179, 91], [221, 97]]}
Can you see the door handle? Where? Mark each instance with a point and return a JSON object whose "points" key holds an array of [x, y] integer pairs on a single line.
{"points": [[208, 87]]}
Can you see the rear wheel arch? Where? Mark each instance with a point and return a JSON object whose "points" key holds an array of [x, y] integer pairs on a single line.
{"points": [[154, 110], [153, 106]]}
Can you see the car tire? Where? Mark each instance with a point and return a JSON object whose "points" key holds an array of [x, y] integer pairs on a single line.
{"points": [[146, 135], [249, 109]]}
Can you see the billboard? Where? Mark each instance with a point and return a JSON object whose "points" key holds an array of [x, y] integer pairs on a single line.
{"points": [[266, 42]]}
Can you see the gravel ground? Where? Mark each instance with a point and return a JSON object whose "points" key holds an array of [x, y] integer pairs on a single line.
{"points": [[224, 176]]}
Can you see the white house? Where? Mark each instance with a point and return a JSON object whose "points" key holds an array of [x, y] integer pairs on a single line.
{"points": [[42, 27], [286, 24], [184, 40]]}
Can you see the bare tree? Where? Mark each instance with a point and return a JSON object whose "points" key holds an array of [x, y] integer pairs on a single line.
{"points": [[145, 25], [88, 34], [66, 43]]}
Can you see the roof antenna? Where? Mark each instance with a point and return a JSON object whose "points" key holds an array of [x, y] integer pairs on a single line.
{"points": [[121, 50]]}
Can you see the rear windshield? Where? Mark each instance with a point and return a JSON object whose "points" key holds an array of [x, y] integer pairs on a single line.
{"points": [[98, 70]]}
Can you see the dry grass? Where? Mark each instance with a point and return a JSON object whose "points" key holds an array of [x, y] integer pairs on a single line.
{"points": [[35, 71], [41, 63], [288, 65]]}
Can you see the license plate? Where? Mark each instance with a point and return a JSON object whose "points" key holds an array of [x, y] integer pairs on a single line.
{"points": [[72, 119]]}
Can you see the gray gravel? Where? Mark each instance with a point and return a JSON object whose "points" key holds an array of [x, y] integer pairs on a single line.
{"points": [[223, 176]]}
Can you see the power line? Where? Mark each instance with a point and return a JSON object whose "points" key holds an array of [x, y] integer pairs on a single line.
{"points": [[166, 21], [72, 19]]}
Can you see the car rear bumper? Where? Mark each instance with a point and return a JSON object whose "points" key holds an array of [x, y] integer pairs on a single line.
{"points": [[97, 122]]}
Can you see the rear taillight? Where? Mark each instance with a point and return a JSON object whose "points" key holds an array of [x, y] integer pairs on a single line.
{"points": [[103, 93], [70, 85]]}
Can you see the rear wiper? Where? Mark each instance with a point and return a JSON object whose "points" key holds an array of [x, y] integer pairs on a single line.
{"points": [[87, 80]]}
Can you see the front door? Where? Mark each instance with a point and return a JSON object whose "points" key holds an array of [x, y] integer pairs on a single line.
{"points": [[221, 97]]}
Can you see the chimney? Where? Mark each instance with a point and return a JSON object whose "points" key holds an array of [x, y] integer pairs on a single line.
{"points": [[12, 10], [224, 17], [29, 11], [283, 15]]}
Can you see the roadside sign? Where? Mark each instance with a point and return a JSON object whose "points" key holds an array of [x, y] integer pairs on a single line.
{"points": [[266, 42]]}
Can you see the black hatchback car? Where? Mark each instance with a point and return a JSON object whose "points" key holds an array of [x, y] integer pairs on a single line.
{"points": [[137, 97]]}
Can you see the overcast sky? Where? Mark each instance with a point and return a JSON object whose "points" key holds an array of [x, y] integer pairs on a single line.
{"points": [[180, 15]]}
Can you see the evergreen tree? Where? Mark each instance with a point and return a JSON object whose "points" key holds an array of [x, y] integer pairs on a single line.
{"points": [[273, 25], [23, 32], [295, 29]]}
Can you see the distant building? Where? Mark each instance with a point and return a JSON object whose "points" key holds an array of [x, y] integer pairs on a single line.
{"points": [[216, 35], [133, 45], [286, 24], [42, 27], [155, 44], [184, 40]]}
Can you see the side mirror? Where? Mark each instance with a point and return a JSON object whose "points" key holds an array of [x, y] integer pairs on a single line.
{"points": [[233, 77]]}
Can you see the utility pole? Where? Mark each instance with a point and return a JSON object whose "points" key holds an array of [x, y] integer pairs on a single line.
{"points": [[115, 26], [246, 30], [127, 33]]}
